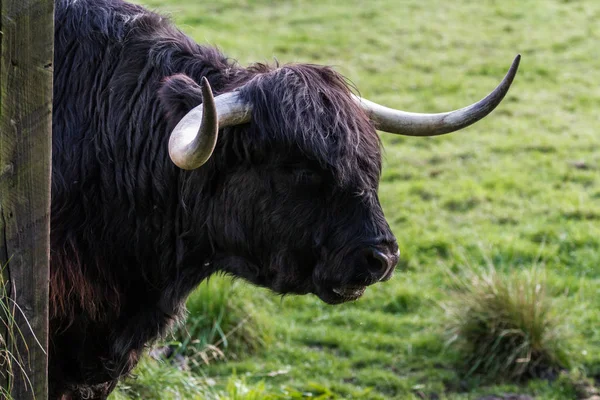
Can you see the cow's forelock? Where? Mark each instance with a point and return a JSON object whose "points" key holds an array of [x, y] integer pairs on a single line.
{"points": [[309, 108]]}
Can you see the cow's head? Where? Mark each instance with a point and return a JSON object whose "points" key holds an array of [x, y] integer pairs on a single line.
{"points": [[295, 205]]}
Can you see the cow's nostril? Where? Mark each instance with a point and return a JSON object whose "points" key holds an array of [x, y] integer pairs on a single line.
{"points": [[377, 261]]}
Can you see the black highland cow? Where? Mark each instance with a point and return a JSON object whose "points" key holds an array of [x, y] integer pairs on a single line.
{"points": [[273, 179]]}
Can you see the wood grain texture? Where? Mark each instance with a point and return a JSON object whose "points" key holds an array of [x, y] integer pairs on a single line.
{"points": [[26, 47]]}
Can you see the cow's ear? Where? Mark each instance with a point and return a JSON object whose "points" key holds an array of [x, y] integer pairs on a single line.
{"points": [[178, 95]]}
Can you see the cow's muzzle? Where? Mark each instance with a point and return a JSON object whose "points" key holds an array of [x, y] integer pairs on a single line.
{"points": [[365, 266]]}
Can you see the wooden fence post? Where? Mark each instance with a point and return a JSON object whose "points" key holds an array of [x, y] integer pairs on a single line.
{"points": [[26, 48]]}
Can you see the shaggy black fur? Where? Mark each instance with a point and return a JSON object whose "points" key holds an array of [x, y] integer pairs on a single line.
{"points": [[287, 201]]}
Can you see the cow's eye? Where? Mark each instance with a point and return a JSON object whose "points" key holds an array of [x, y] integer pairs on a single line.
{"points": [[308, 177]]}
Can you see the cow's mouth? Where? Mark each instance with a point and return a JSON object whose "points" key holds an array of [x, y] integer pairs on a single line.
{"points": [[341, 294], [349, 292]]}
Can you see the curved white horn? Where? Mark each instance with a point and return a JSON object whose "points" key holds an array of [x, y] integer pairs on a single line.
{"points": [[415, 124], [194, 138]]}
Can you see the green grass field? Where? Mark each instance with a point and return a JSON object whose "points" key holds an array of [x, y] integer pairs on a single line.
{"points": [[519, 190]]}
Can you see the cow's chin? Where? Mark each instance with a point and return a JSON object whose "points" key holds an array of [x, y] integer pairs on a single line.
{"points": [[282, 284], [340, 294]]}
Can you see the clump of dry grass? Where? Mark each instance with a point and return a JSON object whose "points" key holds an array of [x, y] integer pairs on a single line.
{"points": [[505, 324], [12, 362]]}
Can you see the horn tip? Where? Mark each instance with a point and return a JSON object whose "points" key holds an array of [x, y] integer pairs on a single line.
{"points": [[204, 82], [512, 71], [516, 62], [207, 94]]}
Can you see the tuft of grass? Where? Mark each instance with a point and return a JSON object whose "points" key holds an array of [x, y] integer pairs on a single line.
{"points": [[7, 358], [159, 380], [221, 323], [239, 389], [505, 324], [12, 362]]}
